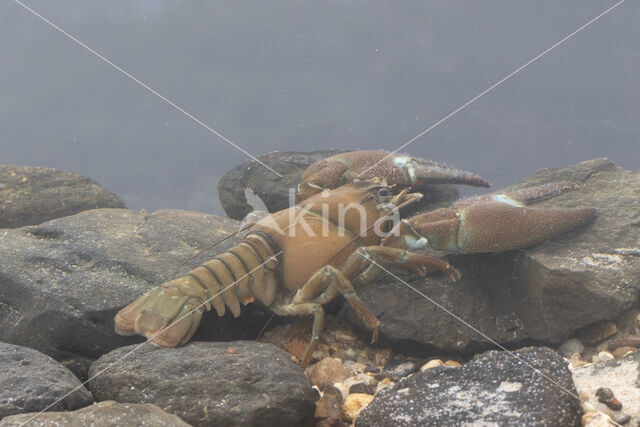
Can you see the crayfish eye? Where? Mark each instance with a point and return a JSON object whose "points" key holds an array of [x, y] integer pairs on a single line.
{"points": [[384, 192]]}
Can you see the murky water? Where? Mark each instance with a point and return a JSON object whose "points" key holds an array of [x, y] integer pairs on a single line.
{"points": [[304, 75]]}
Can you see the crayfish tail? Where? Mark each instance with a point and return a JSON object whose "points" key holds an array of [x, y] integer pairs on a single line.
{"points": [[167, 315], [126, 318]]}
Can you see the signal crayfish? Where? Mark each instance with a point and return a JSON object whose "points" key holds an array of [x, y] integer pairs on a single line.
{"points": [[343, 232]]}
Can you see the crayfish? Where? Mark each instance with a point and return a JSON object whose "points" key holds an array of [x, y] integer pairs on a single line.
{"points": [[336, 239]]}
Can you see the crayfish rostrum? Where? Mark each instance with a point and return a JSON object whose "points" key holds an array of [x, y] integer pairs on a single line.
{"points": [[295, 260]]}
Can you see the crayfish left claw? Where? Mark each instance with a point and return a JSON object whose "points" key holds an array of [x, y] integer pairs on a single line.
{"points": [[399, 170]]}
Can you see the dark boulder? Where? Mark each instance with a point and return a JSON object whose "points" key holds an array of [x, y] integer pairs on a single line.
{"points": [[31, 382], [103, 414], [532, 386], [32, 195], [240, 383]]}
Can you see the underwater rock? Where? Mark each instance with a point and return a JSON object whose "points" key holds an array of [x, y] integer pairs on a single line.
{"points": [[494, 388], [63, 281], [240, 383], [273, 190], [543, 293], [398, 367], [32, 195], [31, 381], [621, 376], [328, 371], [354, 404], [597, 332], [103, 414], [330, 404]]}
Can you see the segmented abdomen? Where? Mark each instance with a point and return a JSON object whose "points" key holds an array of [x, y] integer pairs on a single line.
{"points": [[242, 274]]}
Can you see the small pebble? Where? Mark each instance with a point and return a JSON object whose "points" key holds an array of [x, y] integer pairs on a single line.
{"points": [[597, 419], [587, 407], [452, 363], [587, 416], [328, 371], [571, 347], [597, 332], [588, 353], [604, 356], [595, 358], [622, 419], [330, 404], [605, 395], [362, 388], [322, 351], [383, 356], [383, 384], [360, 378], [354, 404], [432, 364], [576, 361], [398, 368], [343, 389], [621, 351], [356, 367]]}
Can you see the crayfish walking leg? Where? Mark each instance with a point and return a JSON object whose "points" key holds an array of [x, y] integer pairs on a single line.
{"points": [[330, 282]]}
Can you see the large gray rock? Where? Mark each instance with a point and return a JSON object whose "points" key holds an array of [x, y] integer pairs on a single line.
{"points": [[273, 190], [103, 414], [543, 293], [32, 195], [239, 383], [495, 388], [63, 281], [31, 381]]}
